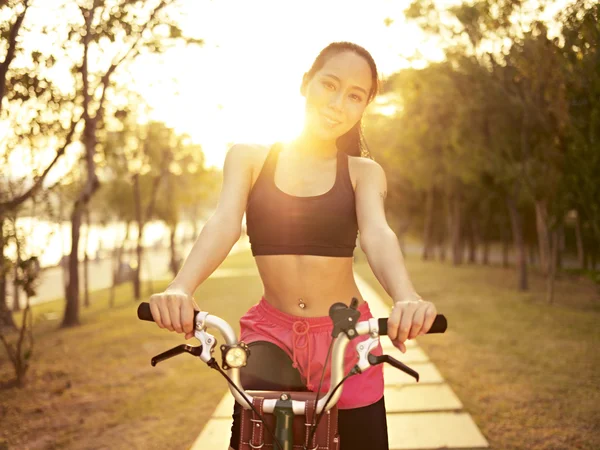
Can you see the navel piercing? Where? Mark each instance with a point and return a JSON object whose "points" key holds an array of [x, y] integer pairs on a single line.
{"points": [[301, 303]]}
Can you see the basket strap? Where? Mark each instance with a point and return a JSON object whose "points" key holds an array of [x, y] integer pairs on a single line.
{"points": [[257, 439]]}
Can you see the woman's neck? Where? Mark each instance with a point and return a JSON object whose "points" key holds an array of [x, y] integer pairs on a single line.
{"points": [[309, 146]]}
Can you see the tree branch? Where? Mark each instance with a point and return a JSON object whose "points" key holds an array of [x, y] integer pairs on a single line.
{"points": [[10, 54], [157, 182], [133, 50], [15, 202]]}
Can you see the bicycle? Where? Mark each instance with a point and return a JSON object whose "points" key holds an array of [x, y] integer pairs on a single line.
{"points": [[235, 355]]}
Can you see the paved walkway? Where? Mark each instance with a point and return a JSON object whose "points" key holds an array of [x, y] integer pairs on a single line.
{"points": [[424, 415]]}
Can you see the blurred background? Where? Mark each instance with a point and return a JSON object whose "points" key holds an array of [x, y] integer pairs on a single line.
{"points": [[115, 118]]}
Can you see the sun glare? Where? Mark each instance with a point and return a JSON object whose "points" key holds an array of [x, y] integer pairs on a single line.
{"points": [[243, 85]]}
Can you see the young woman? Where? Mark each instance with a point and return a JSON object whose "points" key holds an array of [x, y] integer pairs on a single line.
{"points": [[305, 203]]}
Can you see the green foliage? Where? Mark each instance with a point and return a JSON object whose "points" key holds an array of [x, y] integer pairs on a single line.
{"points": [[522, 120]]}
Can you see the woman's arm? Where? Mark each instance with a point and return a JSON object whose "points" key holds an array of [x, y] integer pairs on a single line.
{"points": [[411, 315], [223, 229], [173, 309]]}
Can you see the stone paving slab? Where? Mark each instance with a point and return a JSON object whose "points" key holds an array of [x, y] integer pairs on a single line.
{"points": [[225, 406], [426, 431], [214, 436], [403, 398], [421, 398], [413, 354], [428, 373]]}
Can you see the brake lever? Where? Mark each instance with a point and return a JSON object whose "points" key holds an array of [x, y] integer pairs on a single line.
{"points": [[374, 360], [183, 348]]}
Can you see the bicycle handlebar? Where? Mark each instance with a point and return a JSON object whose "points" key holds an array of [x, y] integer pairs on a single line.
{"points": [[440, 324], [373, 327]]}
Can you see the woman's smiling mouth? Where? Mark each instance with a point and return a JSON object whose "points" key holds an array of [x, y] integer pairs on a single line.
{"points": [[330, 121]]}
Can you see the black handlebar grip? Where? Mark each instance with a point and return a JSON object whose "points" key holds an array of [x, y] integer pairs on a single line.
{"points": [[439, 325], [144, 312]]}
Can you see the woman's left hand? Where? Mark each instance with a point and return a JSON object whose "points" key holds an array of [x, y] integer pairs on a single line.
{"points": [[409, 319]]}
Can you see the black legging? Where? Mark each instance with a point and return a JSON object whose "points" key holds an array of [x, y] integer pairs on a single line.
{"points": [[270, 369]]}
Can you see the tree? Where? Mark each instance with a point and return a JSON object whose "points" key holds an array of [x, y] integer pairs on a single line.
{"points": [[118, 32], [580, 50], [32, 110]]}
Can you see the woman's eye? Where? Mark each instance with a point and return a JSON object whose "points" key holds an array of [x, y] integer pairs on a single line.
{"points": [[356, 98], [328, 85]]}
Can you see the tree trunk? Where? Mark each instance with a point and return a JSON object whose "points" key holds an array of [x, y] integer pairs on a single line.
{"points": [[16, 293], [485, 257], [428, 230], [579, 241], [137, 200], [86, 269], [485, 237], [117, 254], [561, 247], [6, 317], [71, 317], [92, 183], [457, 247], [552, 269], [531, 249], [64, 267], [443, 229], [517, 229], [137, 282], [541, 220], [473, 240], [505, 247]]}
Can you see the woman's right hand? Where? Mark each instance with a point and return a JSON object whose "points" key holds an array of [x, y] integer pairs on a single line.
{"points": [[174, 309]]}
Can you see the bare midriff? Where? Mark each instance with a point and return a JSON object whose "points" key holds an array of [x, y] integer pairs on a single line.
{"points": [[315, 281]]}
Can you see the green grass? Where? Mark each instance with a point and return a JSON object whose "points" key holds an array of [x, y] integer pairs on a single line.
{"points": [[526, 371]]}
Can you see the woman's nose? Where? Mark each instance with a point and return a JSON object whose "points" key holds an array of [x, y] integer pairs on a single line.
{"points": [[336, 101]]}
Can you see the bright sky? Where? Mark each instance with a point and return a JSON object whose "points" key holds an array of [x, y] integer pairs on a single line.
{"points": [[243, 85]]}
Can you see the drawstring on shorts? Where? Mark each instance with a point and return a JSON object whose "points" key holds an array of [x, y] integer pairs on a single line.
{"points": [[301, 328]]}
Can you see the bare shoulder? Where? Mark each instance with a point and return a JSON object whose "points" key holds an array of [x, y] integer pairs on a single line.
{"points": [[245, 152], [366, 170]]}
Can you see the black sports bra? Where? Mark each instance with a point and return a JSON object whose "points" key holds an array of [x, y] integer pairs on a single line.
{"points": [[283, 224]]}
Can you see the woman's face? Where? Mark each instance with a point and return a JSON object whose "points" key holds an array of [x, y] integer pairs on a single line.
{"points": [[337, 95]]}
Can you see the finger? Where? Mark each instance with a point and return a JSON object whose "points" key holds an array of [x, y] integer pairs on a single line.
{"points": [[165, 314], [430, 314], [406, 323], [187, 317], [402, 347], [175, 313], [417, 322], [155, 310], [394, 322], [189, 335]]}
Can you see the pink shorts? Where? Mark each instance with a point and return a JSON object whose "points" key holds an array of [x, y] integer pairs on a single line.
{"points": [[306, 341]]}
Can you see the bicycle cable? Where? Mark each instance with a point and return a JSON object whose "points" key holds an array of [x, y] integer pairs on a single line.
{"points": [[320, 415], [321, 381], [215, 365]]}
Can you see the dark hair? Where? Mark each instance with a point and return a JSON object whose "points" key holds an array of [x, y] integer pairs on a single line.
{"points": [[353, 141]]}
